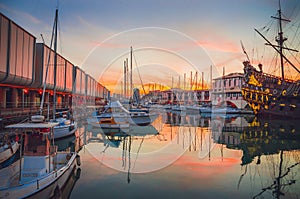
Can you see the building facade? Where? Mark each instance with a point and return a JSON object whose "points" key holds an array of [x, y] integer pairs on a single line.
{"points": [[27, 70], [228, 90]]}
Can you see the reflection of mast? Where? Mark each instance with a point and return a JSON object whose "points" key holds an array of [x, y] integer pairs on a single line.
{"points": [[241, 177], [277, 184], [124, 153], [129, 160], [190, 142], [195, 147], [201, 139], [209, 145]]}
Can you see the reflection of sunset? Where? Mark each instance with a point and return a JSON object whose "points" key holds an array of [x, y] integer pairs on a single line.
{"points": [[205, 168]]}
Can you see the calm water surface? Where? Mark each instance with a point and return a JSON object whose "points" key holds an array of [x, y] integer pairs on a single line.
{"points": [[190, 156]]}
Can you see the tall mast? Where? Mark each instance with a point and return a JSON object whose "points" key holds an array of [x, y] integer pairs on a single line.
{"points": [[280, 39], [210, 77], [184, 79], [125, 79], [55, 63], [191, 83], [131, 87], [196, 80], [202, 80]]}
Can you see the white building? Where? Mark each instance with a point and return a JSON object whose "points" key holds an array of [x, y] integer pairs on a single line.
{"points": [[228, 90]]}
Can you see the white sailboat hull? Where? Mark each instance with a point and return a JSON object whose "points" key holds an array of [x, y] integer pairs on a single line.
{"points": [[44, 187], [64, 131]]}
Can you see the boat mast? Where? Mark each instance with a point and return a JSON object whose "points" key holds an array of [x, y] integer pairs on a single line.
{"points": [[125, 79], [274, 47], [47, 69], [280, 39], [131, 86], [55, 63]]}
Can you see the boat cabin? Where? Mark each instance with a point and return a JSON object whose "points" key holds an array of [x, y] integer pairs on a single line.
{"points": [[37, 142], [37, 160]]}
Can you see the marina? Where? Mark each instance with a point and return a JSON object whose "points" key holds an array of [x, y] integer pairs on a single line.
{"points": [[149, 112], [203, 152]]}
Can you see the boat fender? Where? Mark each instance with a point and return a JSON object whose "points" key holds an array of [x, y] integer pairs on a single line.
{"points": [[78, 160], [275, 91], [283, 92], [78, 173]]}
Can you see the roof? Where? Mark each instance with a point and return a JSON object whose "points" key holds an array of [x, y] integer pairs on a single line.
{"points": [[31, 125]]}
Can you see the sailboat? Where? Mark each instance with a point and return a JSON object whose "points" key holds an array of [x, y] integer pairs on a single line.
{"points": [[272, 95], [66, 126], [117, 116]]}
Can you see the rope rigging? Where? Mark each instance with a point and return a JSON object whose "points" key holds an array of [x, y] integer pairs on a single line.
{"points": [[136, 65]]}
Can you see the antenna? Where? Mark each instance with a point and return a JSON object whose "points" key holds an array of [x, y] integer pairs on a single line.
{"points": [[43, 38]]}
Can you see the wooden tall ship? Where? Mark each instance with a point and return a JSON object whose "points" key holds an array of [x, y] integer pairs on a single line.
{"points": [[272, 95]]}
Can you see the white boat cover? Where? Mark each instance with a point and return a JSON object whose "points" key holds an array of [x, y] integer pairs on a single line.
{"points": [[30, 125]]}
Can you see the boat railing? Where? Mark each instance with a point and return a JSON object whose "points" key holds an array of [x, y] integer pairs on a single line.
{"points": [[41, 181], [273, 76]]}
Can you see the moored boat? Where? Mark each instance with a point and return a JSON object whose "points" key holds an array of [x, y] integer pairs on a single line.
{"points": [[65, 128], [121, 115], [268, 94], [8, 150], [43, 171], [108, 123]]}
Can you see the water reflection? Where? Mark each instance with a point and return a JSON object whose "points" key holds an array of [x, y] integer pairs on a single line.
{"points": [[71, 143], [241, 155]]}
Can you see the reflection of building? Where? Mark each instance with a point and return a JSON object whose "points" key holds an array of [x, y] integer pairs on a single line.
{"points": [[228, 89], [175, 119], [260, 137]]}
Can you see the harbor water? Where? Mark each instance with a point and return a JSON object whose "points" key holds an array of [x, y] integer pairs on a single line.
{"points": [[189, 156]]}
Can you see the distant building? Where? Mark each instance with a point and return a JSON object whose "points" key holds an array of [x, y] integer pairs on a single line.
{"points": [[228, 89], [178, 96]]}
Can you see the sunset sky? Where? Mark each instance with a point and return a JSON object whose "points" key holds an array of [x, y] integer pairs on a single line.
{"points": [[169, 37]]}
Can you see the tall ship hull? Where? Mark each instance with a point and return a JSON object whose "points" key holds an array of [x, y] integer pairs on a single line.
{"points": [[270, 95]]}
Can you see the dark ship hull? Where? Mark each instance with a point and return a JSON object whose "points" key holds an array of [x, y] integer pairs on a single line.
{"points": [[270, 95]]}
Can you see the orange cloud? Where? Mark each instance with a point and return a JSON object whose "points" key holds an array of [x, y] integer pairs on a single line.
{"points": [[220, 45]]}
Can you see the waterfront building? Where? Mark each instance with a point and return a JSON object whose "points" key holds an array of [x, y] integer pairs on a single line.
{"points": [[23, 74], [228, 90], [178, 96]]}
